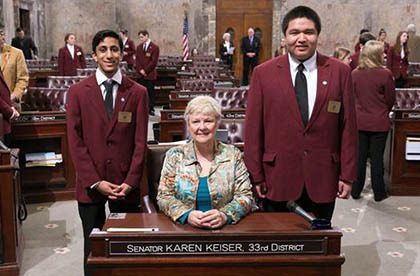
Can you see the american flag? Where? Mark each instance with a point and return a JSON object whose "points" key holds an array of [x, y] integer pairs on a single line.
{"points": [[185, 49]]}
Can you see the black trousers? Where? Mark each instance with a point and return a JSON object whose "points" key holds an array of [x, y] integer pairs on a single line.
{"points": [[400, 82], [249, 63], [320, 210], [371, 144], [150, 85], [93, 216]]}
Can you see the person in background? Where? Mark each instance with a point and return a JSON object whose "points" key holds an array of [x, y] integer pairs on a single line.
{"points": [[281, 50], [26, 44], [70, 57], [129, 49], [397, 59], [226, 50], [250, 48], [194, 52], [357, 46], [382, 38], [147, 56], [374, 92], [15, 72], [301, 133], [364, 37], [343, 54], [107, 133], [413, 43], [205, 182], [6, 110]]}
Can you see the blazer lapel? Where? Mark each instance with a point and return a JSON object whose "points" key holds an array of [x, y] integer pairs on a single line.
{"points": [[95, 95], [324, 75], [121, 100], [288, 91]]}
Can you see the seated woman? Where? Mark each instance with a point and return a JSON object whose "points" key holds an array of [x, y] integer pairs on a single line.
{"points": [[204, 183]]}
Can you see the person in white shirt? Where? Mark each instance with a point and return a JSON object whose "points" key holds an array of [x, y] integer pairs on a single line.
{"points": [[70, 57], [226, 50]]}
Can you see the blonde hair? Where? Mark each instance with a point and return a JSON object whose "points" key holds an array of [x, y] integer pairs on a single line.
{"points": [[225, 35], [372, 55], [204, 105], [341, 52]]}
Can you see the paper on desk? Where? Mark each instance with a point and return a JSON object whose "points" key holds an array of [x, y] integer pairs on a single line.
{"points": [[117, 229]]}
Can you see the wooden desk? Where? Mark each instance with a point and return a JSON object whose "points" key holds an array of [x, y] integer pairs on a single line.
{"points": [[11, 238], [261, 244], [41, 132], [38, 77], [405, 174]]}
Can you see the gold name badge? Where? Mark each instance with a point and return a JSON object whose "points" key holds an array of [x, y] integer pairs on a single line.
{"points": [[124, 117], [334, 107], [148, 55]]}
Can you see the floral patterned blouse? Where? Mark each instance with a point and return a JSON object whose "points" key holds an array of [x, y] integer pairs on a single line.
{"points": [[228, 182]]}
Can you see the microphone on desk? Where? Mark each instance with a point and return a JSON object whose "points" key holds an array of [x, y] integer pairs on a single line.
{"points": [[3, 145], [316, 223]]}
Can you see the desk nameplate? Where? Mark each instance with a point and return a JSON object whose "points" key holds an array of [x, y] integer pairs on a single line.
{"points": [[173, 115], [225, 247], [35, 118]]}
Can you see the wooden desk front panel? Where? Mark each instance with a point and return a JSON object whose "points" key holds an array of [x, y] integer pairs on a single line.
{"points": [[405, 175], [258, 226]]}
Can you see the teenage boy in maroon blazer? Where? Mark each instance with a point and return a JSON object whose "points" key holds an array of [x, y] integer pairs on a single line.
{"points": [[107, 129], [301, 135], [363, 38], [147, 56], [6, 109], [70, 57], [129, 49]]}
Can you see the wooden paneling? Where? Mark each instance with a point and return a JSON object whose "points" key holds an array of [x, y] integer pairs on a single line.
{"points": [[240, 15]]}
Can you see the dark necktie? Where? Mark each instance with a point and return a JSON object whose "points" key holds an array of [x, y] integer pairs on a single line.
{"points": [[145, 47], [109, 102], [301, 90]]}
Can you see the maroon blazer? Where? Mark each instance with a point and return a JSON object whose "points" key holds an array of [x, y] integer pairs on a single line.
{"points": [[147, 60], [397, 65], [5, 105], [130, 48], [354, 60], [283, 153], [104, 149], [374, 91], [67, 66]]}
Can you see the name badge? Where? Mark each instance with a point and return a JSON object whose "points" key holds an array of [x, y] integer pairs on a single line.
{"points": [[126, 46], [124, 117], [148, 55], [79, 53], [334, 107]]}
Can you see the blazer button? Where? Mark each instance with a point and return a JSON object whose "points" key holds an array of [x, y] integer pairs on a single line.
{"points": [[108, 143], [108, 161], [305, 152]]}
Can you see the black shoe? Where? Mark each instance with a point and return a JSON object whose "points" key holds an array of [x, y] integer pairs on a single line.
{"points": [[355, 196], [381, 198]]}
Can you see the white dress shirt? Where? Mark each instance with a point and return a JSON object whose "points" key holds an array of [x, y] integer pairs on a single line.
{"points": [[71, 50], [146, 44], [311, 74], [101, 78]]}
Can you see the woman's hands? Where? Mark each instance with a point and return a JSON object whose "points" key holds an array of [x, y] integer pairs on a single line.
{"points": [[211, 219]]}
